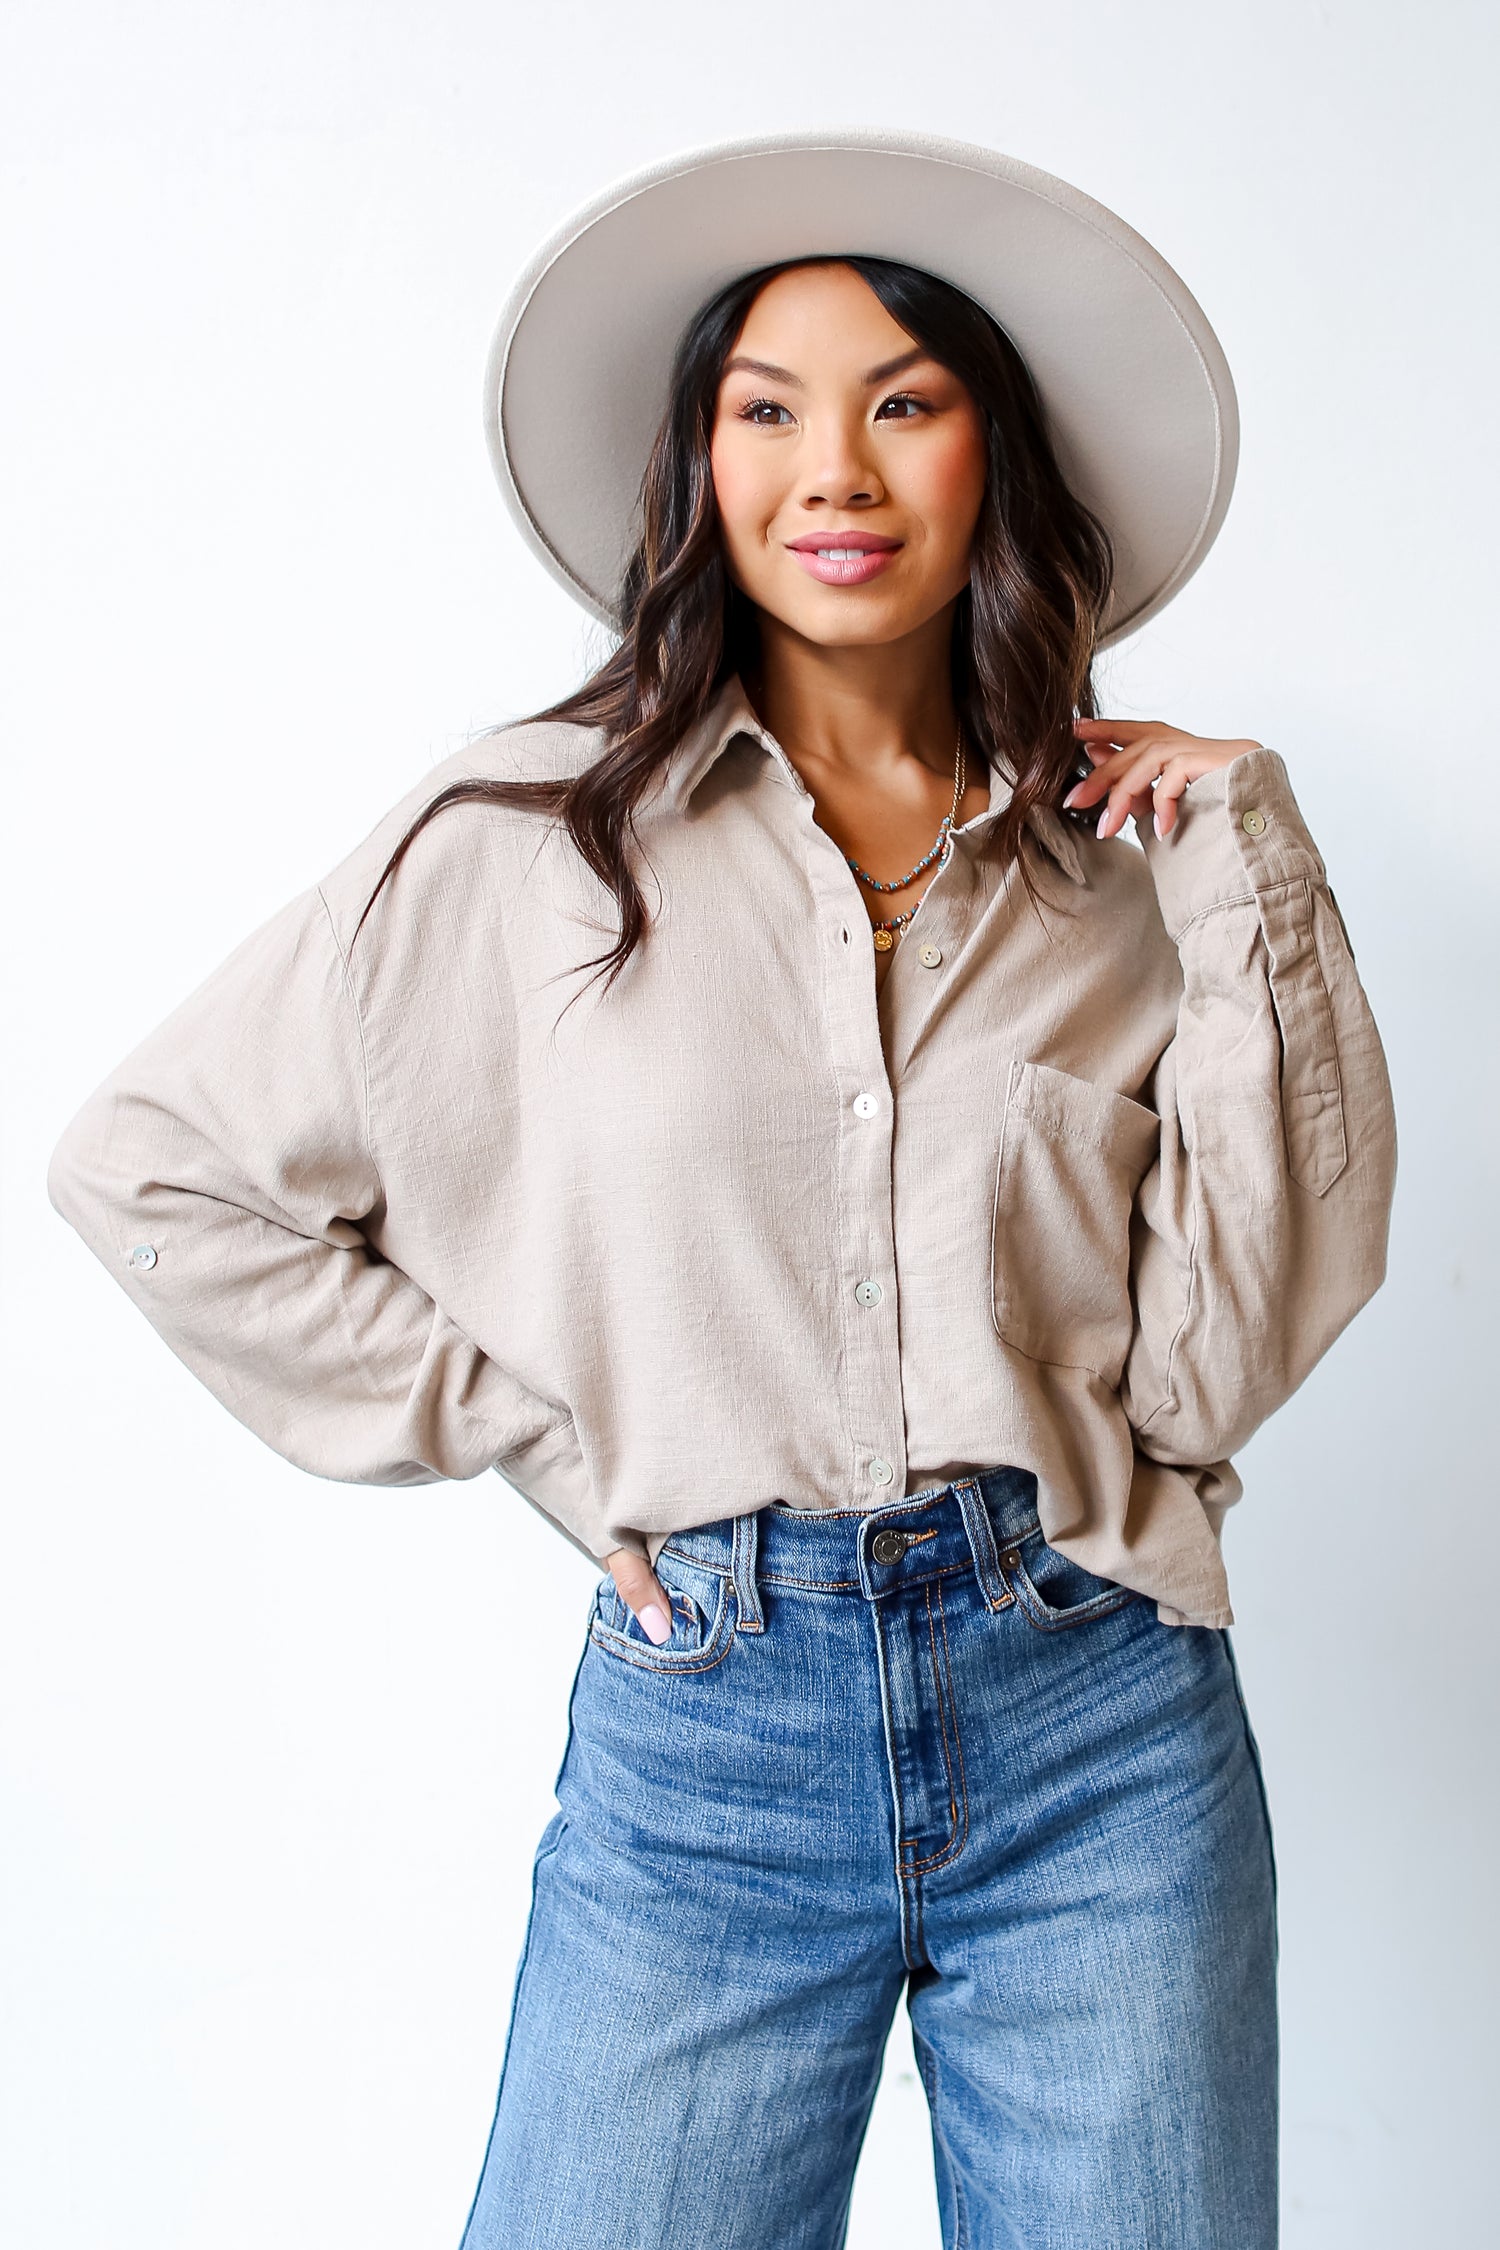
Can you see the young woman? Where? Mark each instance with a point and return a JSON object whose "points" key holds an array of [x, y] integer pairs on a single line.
{"points": [[871, 1253]]}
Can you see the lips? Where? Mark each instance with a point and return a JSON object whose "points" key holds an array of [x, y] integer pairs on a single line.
{"points": [[844, 558]]}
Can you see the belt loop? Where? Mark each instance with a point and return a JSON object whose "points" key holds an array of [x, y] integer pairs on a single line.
{"points": [[982, 1543], [742, 1567]]}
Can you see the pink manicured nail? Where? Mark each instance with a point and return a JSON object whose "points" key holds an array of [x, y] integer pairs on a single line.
{"points": [[1156, 824], [655, 1624], [1072, 793]]}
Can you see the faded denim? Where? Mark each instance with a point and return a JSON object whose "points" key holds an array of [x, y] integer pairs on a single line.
{"points": [[950, 1765]]}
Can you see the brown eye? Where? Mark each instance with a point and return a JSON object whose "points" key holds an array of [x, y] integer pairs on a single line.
{"points": [[757, 407], [903, 398]]}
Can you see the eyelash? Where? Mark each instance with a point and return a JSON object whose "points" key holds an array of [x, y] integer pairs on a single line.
{"points": [[905, 398]]}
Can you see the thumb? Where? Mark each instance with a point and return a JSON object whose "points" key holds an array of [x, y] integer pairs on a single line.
{"points": [[641, 1590]]}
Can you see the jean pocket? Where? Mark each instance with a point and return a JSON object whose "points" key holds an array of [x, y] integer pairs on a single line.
{"points": [[1053, 1592], [1072, 1155], [702, 1619]]}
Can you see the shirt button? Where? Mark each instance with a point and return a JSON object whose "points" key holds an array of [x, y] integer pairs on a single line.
{"points": [[143, 1255], [865, 1105], [1253, 822], [868, 1292], [930, 956], [881, 1472]]}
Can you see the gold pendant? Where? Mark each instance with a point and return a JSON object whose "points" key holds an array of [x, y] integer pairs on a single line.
{"points": [[884, 940]]}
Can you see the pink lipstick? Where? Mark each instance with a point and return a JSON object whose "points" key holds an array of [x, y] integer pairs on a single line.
{"points": [[844, 558]]}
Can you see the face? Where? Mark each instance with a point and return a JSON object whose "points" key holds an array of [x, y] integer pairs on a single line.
{"points": [[849, 467]]}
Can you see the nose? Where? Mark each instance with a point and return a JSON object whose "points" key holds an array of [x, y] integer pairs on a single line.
{"points": [[839, 472]]}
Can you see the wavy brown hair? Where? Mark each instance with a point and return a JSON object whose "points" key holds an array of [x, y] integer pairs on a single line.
{"points": [[1024, 632]]}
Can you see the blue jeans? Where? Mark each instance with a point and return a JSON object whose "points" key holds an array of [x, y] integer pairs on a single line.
{"points": [[910, 1750]]}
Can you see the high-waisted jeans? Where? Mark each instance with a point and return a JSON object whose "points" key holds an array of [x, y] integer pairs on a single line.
{"points": [[907, 1750]]}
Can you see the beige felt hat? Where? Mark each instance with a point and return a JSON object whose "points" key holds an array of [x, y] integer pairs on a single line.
{"points": [[1137, 391]]}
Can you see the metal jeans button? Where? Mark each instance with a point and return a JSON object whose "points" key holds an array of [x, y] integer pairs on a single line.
{"points": [[888, 1546]]}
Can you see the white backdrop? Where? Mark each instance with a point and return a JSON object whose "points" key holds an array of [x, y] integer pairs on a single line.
{"points": [[276, 1752]]}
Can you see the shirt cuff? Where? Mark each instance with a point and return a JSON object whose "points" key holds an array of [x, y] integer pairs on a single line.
{"points": [[1238, 831]]}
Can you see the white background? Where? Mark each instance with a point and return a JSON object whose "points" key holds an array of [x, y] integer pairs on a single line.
{"points": [[276, 1753]]}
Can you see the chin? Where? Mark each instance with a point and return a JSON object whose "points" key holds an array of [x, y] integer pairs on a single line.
{"points": [[848, 623]]}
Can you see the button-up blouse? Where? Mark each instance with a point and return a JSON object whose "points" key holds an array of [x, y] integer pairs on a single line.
{"points": [[1086, 1186]]}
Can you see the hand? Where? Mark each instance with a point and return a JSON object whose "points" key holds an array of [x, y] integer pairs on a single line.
{"points": [[641, 1590], [1143, 766]]}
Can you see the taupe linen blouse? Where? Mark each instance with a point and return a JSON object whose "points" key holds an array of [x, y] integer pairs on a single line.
{"points": [[1087, 1190]]}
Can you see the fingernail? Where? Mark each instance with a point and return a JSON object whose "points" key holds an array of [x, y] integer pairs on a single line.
{"points": [[1156, 824], [1072, 794], [655, 1624]]}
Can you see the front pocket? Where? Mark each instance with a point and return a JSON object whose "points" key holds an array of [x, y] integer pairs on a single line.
{"points": [[1052, 1591], [1072, 1155], [701, 1619]]}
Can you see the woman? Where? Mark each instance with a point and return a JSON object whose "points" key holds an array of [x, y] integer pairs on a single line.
{"points": [[872, 1255]]}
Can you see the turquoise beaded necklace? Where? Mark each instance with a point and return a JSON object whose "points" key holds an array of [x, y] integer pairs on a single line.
{"points": [[886, 933]]}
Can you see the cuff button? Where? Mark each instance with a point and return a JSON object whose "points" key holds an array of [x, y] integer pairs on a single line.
{"points": [[143, 1255], [1253, 822]]}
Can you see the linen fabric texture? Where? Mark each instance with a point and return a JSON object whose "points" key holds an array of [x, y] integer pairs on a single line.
{"points": [[915, 1752], [1120, 1162]]}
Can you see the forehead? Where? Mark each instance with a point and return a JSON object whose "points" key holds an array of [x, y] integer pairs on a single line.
{"points": [[827, 307]]}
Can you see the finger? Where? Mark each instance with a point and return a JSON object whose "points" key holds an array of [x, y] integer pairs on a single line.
{"points": [[1114, 768], [1122, 803], [1130, 789], [1126, 732], [1174, 780], [1093, 785], [642, 1592]]}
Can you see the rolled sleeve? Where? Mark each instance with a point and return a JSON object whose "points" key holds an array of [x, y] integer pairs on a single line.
{"points": [[1263, 1228]]}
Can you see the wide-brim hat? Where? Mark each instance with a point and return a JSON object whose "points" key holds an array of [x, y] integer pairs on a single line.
{"points": [[1137, 391]]}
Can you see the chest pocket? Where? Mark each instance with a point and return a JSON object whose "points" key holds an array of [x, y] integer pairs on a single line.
{"points": [[1072, 1155]]}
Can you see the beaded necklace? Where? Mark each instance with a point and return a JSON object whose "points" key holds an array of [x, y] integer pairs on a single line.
{"points": [[886, 933]]}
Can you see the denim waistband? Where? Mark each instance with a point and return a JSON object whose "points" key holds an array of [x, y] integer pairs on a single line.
{"points": [[870, 1552]]}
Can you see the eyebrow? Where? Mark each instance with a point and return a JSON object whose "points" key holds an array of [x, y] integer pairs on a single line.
{"points": [[777, 374]]}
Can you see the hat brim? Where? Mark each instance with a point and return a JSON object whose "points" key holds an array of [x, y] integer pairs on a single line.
{"points": [[1137, 391]]}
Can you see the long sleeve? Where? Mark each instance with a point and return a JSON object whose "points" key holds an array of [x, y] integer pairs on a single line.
{"points": [[223, 1175], [1262, 1229]]}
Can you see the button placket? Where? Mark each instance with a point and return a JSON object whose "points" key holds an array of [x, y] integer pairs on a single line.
{"points": [[873, 1407], [915, 992]]}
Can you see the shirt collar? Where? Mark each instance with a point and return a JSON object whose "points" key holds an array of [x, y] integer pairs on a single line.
{"points": [[731, 717]]}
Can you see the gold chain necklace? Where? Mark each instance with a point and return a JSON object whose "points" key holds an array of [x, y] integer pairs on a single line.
{"points": [[886, 933]]}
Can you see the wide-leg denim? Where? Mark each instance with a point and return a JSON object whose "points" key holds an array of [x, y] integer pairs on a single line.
{"points": [[908, 1750]]}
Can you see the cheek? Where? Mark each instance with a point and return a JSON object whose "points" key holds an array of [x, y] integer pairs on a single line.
{"points": [[741, 489], [952, 474]]}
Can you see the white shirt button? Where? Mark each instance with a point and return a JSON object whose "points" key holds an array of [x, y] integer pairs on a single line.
{"points": [[881, 1471], [865, 1105], [143, 1255], [1253, 822], [930, 956], [868, 1292]]}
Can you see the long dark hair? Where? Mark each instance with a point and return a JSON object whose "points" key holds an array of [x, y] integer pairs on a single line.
{"points": [[1025, 627]]}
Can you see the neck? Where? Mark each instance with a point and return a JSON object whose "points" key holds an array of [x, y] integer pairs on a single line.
{"points": [[857, 710]]}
